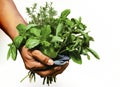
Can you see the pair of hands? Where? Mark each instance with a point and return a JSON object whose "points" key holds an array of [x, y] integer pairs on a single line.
{"points": [[37, 62]]}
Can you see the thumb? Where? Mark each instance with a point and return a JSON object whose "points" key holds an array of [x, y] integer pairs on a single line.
{"points": [[38, 55]]}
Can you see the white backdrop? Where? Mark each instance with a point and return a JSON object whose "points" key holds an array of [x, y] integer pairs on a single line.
{"points": [[102, 18]]}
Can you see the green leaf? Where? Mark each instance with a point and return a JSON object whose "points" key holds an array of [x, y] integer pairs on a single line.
{"points": [[56, 39], [35, 31], [65, 13], [18, 40], [93, 52], [12, 52], [21, 28], [9, 52], [75, 56], [59, 29], [32, 42], [29, 26], [49, 51], [45, 32]]}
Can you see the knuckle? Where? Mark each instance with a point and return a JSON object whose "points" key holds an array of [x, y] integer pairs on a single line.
{"points": [[43, 74], [35, 52], [29, 66], [45, 60]]}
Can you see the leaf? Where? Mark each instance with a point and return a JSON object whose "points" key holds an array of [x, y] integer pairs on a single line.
{"points": [[13, 51], [59, 29], [29, 26], [93, 52], [65, 13], [32, 42], [45, 32], [17, 41], [56, 39], [49, 51], [35, 31], [21, 28], [75, 56], [9, 52]]}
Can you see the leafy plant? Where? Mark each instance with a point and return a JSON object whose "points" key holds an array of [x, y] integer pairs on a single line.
{"points": [[53, 36]]}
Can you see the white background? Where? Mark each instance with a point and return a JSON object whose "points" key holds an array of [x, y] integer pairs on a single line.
{"points": [[102, 18]]}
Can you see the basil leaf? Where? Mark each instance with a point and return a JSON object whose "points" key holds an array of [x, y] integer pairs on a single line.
{"points": [[32, 42], [35, 32], [29, 26], [56, 39], [65, 13], [13, 52], [76, 57], [17, 41], [59, 29], [45, 32], [21, 28], [93, 52]]}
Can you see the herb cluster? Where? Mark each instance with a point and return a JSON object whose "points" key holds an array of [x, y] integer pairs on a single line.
{"points": [[53, 36]]}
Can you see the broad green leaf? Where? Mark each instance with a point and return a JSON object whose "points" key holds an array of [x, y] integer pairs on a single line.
{"points": [[93, 52], [76, 57], [32, 42], [45, 43], [65, 13], [49, 51], [35, 32], [56, 39], [21, 28], [59, 29], [18, 40], [45, 32], [13, 52], [29, 26]]}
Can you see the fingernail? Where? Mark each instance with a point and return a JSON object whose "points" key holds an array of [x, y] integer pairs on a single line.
{"points": [[50, 62], [67, 62], [57, 68]]}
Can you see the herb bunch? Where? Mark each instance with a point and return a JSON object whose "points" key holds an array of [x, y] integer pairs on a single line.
{"points": [[53, 36]]}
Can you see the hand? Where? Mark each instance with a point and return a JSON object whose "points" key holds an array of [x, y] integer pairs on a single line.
{"points": [[37, 62]]}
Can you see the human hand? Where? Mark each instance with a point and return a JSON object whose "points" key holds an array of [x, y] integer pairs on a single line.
{"points": [[37, 62]]}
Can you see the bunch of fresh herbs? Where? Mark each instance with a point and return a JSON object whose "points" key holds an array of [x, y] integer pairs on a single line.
{"points": [[53, 36]]}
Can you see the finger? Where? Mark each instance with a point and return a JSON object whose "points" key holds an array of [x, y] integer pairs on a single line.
{"points": [[61, 70], [32, 64], [42, 58], [49, 72], [37, 66]]}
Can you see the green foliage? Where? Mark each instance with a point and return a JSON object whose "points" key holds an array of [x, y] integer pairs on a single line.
{"points": [[53, 36]]}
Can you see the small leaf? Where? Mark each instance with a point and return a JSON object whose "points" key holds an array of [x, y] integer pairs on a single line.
{"points": [[75, 56], [49, 51], [13, 52], [59, 29], [56, 39], [94, 53], [9, 52], [17, 41], [35, 31], [65, 13], [32, 42], [21, 28], [30, 26], [45, 32]]}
